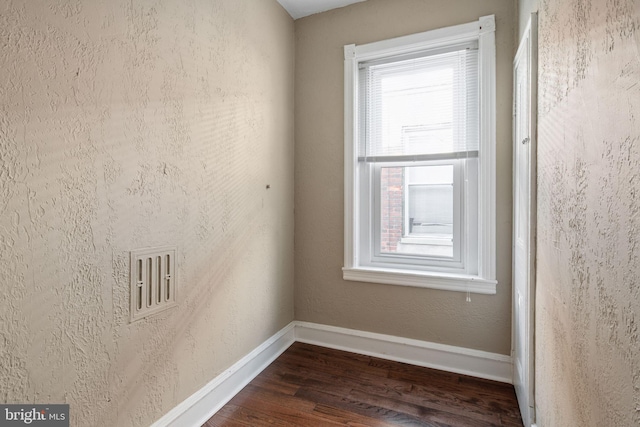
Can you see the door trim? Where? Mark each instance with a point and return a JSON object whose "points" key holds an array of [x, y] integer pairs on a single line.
{"points": [[528, 44]]}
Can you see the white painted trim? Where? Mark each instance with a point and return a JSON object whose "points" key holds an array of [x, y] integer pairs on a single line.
{"points": [[422, 279], [350, 154], [525, 386], [203, 404], [488, 143], [200, 406], [449, 358], [420, 41]]}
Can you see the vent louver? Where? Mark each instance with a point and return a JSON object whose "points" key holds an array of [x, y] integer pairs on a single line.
{"points": [[153, 281]]}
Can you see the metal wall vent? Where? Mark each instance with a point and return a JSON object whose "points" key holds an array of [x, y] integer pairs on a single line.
{"points": [[153, 281]]}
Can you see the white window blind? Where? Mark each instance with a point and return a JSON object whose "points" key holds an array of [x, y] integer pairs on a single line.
{"points": [[420, 107]]}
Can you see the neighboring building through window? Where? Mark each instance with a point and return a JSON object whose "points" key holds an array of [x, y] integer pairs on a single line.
{"points": [[420, 159]]}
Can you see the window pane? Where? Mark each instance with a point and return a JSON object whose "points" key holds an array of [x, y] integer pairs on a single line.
{"points": [[423, 105], [391, 208], [431, 211], [417, 210], [421, 101]]}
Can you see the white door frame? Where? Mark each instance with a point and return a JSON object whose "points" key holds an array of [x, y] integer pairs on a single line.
{"points": [[524, 383]]}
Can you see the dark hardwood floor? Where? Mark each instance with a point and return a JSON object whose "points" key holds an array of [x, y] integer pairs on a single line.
{"points": [[316, 386]]}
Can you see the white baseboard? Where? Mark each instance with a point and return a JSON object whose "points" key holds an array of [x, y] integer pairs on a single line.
{"points": [[203, 404], [460, 360]]}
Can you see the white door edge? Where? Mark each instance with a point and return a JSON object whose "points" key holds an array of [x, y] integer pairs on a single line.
{"points": [[524, 375]]}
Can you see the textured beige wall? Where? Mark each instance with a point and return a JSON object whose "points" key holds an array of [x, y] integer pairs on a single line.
{"points": [[127, 124], [588, 292], [321, 294]]}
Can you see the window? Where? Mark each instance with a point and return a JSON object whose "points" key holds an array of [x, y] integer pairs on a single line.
{"points": [[420, 159]]}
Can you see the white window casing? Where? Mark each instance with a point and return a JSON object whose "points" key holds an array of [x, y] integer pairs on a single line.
{"points": [[472, 267]]}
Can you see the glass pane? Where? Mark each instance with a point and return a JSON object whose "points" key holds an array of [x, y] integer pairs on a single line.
{"points": [[416, 112], [420, 105], [417, 210]]}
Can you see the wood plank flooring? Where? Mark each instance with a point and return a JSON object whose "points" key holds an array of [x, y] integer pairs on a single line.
{"points": [[316, 386]]}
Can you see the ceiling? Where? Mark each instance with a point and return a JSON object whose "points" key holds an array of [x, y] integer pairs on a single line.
{"points": [[301, 8]]}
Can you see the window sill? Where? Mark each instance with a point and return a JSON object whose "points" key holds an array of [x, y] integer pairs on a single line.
{"points": [[419, 279]]}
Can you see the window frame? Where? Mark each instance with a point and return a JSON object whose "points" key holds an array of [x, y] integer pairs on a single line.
{"points": [[356, 269]]}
